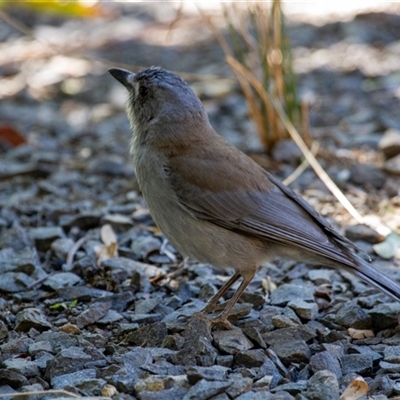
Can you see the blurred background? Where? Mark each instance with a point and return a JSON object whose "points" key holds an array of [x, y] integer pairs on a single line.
{"points": [[333, 66]]}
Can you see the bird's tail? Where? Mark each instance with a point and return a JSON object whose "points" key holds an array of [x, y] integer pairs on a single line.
{"points": [[366, 272]]}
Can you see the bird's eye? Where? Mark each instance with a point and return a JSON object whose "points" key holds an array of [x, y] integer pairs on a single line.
{"points": [[143, 91]]}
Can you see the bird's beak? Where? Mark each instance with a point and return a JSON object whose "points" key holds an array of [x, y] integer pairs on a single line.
{"points": [[123, 76]]}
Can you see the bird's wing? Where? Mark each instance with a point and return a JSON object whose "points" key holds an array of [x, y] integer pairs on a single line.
{"points": [[243, 197]]}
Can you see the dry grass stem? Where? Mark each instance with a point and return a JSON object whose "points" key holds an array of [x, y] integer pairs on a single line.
{"points": [[267, 98]]}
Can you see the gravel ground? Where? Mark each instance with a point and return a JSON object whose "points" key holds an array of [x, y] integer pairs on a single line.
{"points": [[96, 302]]}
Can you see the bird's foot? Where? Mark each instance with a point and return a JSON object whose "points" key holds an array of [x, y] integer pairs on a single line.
{"points": [[219, 320]]}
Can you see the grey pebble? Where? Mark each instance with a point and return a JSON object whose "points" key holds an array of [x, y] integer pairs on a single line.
{"points": [[31, 318], [292, 352], [289, 291], [92, 314], [325, 361], [322, 386], [362, 232], [213, 373], [151, 335], [73, 379], [67, 361], [61, 247], [61, 280], [353, 316], [232, 341], [204, 389], [250, 358], [358, 363], [12, 378], [45, 236], [22, 366], [305, 310], [385, 315]]}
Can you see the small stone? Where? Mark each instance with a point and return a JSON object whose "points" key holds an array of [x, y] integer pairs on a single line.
{"points": [[232, 341], [392, 166], [367, 175], [356, 363], [11, 282], [67, 361], [283, 321], [22, 366], [293, 388], [213, 373], [3, 331], [225, 361], [264, 383], [45, 236], [197, 351], [15, 237], [320, 276], [206, 389], [61, 247], [322, 386], [156, 383], [40, 346], [325, 361], [163, 367], [362, 232], [250, 358], [151, 335], [289, 291], [11, 378], [389, 144], [15, 346], [31, 318], [57, 339], [385, 315], [173, 342], [252, 330], [353, 316], [305, 310], [172, 393], [73, 379], [197, 327], [293, 351], [301, 332], [240, 385], [91, 315], [82, 221], [391, 354], [61, 280], [144, 306], [119, 222], [240, 310], [388, 367], [132, 266], [110, 318], [143, 246]]}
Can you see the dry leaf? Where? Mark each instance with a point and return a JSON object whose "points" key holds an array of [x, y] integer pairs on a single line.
{"points": [[108, 390], [110, 247], [356, 389], [360, 333], [268, 285], [70, 328], [10, 136]]}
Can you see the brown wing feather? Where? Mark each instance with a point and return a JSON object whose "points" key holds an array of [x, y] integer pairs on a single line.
{"points": [[262, 207]]}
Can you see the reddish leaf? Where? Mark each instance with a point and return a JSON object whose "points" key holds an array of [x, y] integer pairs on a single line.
{"points": [[10, 136]]}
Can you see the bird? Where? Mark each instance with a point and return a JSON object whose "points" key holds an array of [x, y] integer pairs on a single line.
{"points": [[213, 202]]}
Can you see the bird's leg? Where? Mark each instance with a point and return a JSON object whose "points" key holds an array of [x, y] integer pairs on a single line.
{"points": [[211, 305], [223, 317]]}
